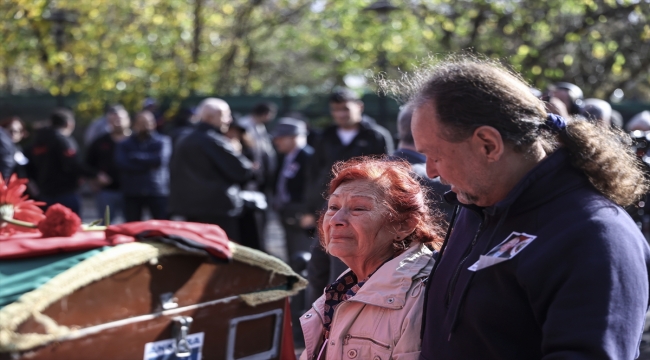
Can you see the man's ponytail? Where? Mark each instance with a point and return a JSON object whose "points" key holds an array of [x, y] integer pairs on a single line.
{"points": [[605, 156]]}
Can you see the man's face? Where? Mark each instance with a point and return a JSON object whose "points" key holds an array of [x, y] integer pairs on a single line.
{"points": [[219, 117], [144, 124], [456, 163], [346, 114], [16, 131], [284, 144], [70, 126], [118, 120], [226, 115]]}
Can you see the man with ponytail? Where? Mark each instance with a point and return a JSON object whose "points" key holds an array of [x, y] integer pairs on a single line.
{"points": [[576, 284]]}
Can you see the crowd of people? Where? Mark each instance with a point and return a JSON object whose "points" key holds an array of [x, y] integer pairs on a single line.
{"points": [[520, 163]]}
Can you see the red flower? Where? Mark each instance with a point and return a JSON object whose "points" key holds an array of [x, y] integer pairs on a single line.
{"points": [[14, 205], [59, 221]]}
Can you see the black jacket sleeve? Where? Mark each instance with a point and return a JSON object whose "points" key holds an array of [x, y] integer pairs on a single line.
{"points": [[234, 166], [66, 150], [92, 155]]}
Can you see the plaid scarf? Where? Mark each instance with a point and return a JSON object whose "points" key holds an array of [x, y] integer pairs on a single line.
{"points": [[342, 289]]}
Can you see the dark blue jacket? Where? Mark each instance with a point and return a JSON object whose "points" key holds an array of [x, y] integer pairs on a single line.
{"points": [[578, 291], [144, 165]]}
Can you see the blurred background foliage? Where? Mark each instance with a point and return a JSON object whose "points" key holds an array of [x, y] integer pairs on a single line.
{"points": [[105, 51]]}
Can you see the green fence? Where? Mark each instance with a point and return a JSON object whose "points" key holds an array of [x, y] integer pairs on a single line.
{"points": [[35, 107]]}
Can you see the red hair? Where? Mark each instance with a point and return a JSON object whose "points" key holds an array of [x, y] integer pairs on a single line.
{"points": [[404, 197]]}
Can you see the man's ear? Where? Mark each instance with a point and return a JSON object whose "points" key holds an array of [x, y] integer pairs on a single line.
{"points": [[489, 142], [360, 105]]}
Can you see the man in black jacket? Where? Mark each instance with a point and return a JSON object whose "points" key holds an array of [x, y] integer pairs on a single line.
{"points": [[264, 156], [575, 285], [349, 137], [57, 164], [207, 169]]}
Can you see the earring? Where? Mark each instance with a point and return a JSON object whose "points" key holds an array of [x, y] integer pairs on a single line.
{"points": [[400, 245]]}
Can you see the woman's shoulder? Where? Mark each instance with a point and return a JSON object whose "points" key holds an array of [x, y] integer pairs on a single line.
{"points": [[418, 260], [395, 281]]}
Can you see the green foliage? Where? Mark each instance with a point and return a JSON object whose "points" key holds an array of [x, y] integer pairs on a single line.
{"points": [[126, 50]]}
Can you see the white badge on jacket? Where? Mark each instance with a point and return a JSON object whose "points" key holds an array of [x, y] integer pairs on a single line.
{"points": [[506, 250]]}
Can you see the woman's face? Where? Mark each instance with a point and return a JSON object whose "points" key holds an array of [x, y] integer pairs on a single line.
{"points": [[355, 228]]}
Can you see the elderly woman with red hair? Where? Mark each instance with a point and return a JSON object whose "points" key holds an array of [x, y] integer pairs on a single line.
{"points": [[379, 223]]}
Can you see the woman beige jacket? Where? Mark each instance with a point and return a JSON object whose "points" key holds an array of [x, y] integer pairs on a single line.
{"points": [[382, 321]]}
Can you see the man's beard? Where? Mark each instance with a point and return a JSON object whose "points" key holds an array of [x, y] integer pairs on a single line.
{"points": [[462, 196]]}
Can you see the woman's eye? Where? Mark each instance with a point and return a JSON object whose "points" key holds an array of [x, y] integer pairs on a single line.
{"points": [[332, 207], [359, 209]]}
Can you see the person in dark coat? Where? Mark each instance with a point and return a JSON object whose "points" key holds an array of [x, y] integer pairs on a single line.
{"points": [[207, 170], [143, 161], [15, 128], [183, 123], [406, 151], [251, 219], [578, 286], [264, 155], [290, 139], [58, 170], [8, 151], [350, 136], [101, 157]]}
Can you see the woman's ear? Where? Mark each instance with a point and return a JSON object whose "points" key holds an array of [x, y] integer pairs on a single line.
{"points": [[404, 228]]}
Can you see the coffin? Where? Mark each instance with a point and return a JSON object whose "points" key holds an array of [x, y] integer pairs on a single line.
{"points": [[152, 300]]}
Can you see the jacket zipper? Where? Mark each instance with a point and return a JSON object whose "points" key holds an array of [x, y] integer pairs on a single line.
{"points": [[348, 337], [454, 279]]}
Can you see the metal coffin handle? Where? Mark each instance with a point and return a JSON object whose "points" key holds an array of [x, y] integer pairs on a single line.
{"points": [[180, 331]]}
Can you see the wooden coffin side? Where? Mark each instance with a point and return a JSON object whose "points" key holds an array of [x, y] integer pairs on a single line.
{"points": [[223, 337], [184, 279], [165, 280]]}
